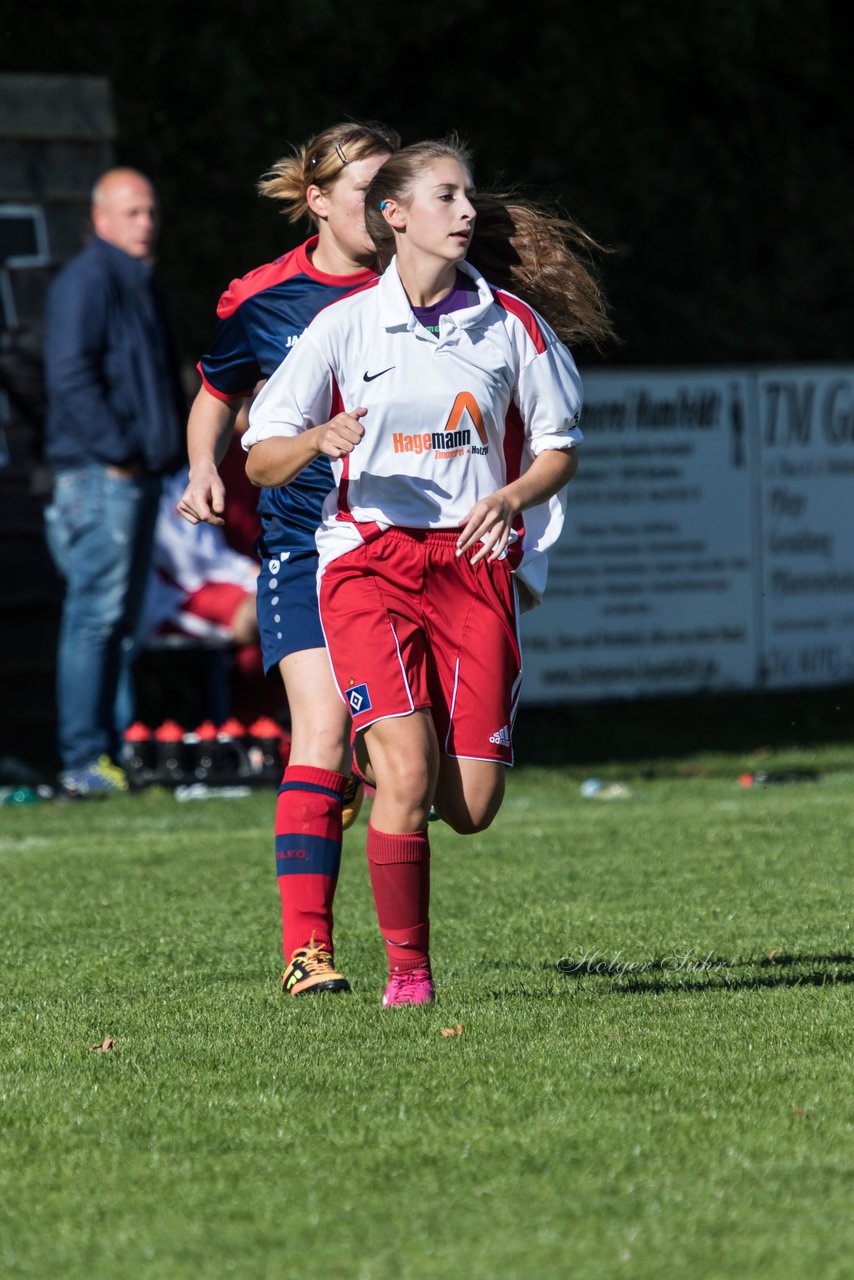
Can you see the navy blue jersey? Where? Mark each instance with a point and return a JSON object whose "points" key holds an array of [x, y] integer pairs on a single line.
{"points": [[261, 318]]}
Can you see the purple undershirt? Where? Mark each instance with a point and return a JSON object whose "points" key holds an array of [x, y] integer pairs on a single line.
{"points": [[464, 294]]}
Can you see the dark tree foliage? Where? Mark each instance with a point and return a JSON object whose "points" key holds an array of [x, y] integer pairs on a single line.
{"points": [[708, 144]]}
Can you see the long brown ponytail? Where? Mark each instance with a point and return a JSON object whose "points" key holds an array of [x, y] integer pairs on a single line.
{"points": [[546, 259]]}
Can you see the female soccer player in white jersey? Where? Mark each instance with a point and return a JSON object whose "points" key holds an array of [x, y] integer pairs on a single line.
{"points": [[261, 319], [448, 407]]}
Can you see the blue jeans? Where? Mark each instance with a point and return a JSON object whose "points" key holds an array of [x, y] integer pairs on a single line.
{"points": [[100, 530]]}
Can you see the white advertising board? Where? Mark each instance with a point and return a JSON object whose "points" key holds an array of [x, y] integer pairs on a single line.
{"points": [[707, 542], [806, 434]]}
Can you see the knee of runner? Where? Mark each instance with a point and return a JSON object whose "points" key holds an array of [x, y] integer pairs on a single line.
{"points": [[466, 823], [469, 811], [408, 779]]}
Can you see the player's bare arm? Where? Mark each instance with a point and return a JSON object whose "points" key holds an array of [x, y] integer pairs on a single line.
{"points": [[490, 521], [277, 460], [209, 432]]}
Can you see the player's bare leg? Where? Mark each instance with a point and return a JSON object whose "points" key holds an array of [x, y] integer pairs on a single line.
{"points": [[363, 760], [404, 755], [469, 793], [320, 721]]}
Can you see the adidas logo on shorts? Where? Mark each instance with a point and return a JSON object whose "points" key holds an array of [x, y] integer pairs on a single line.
{"points": [[501, 738]]}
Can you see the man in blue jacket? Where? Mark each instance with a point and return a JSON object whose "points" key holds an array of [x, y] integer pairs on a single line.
{"points": [[114, 428]]}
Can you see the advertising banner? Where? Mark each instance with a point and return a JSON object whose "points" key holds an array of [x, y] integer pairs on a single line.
{"points": [[707, 544], [806, 433]]}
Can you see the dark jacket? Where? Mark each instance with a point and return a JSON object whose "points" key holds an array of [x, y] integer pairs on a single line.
{"points": [[113, 388]]}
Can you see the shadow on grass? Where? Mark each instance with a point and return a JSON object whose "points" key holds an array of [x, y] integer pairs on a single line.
{"points": [[707, 973]]}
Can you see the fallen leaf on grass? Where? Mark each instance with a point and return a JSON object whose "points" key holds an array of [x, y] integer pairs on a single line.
{"points": [[451, 1031], [772, 953], [107, 1044], [800, 1114]]}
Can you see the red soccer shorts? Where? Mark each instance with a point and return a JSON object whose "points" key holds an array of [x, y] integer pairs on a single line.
{"points": [[409, 624]]}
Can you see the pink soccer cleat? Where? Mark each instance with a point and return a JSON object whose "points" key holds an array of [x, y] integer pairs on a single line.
{"points": [[412, 987]]}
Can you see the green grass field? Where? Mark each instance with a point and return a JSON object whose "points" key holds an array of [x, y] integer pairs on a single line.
{"points": [[653, 1080]]}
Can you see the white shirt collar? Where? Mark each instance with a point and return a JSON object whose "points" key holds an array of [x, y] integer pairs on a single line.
{"points": [[397, 313]]}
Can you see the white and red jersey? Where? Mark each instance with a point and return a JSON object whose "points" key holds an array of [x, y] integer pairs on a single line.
{"points": [[451, 417]]}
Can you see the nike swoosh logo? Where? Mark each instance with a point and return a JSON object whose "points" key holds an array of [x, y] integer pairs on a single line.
{"points": [[369, 377]]}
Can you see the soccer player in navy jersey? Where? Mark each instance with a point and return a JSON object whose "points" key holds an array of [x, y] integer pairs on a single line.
{"points": [[449, 407], [261, 319]]}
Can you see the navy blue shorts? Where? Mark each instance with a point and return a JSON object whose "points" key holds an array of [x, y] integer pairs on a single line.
{"points": [[288, 616]]}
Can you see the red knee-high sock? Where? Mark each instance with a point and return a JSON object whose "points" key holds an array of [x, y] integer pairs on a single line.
{"points": [[308, 853], [400, 879]]}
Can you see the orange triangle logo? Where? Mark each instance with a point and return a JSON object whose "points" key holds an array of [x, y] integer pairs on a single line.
{"points": [[465, 402]]}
